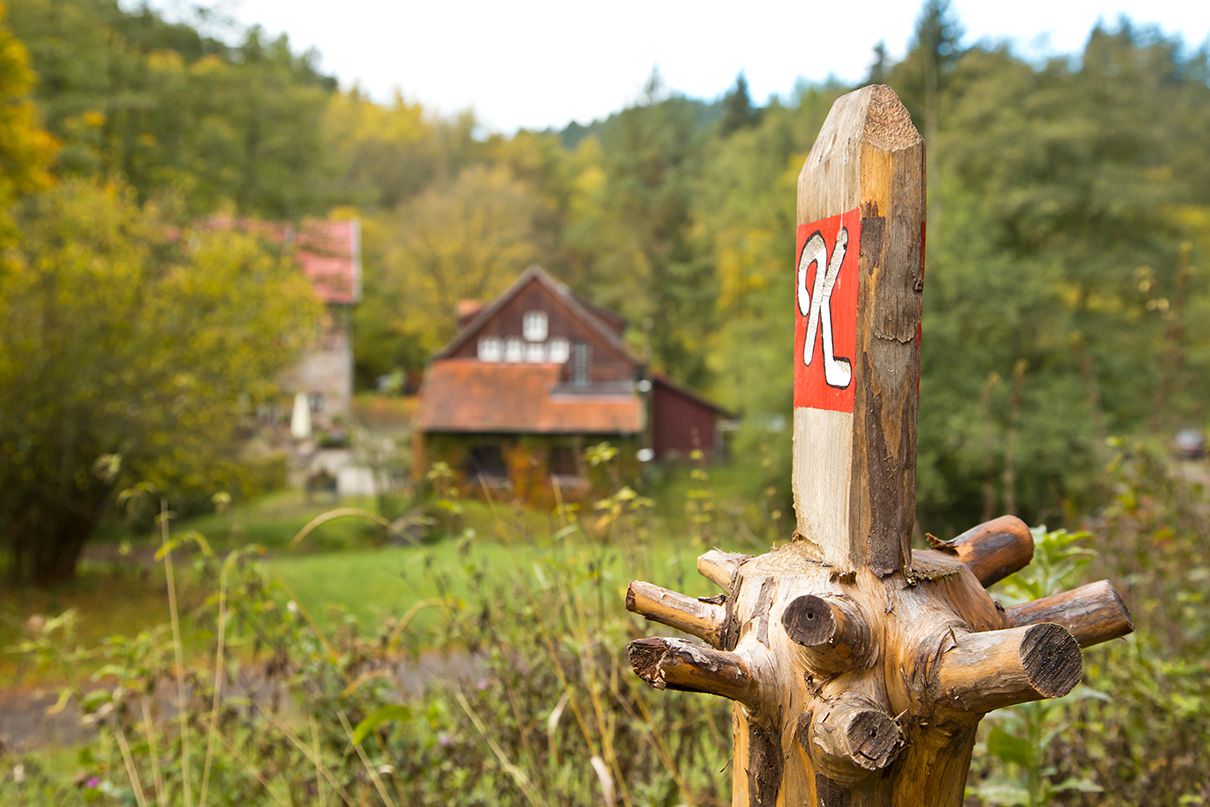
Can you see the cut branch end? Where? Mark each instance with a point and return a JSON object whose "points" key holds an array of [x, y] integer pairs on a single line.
{"points": [[705, 620], [995, 549], [984, 671], [1093, 613], [720, 567], [832, 632], [851, 738], [678, 664]]}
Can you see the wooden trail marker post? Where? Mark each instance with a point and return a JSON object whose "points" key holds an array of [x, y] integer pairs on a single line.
{"points": [[860, 668]]}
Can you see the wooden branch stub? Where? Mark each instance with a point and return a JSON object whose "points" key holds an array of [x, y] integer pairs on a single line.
{"points": [[720, 567], [832, 632], [859, 293], [678, 664], [850, 738], [995, 549], [705, 620], [1093, 613], [980, 672]]}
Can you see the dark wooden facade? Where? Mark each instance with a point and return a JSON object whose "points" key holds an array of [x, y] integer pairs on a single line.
{"points": [[580, 323], [682, 421]]}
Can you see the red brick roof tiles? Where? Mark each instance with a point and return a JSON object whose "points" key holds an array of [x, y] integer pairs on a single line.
{"points": [[465, 395], [330, 255]]}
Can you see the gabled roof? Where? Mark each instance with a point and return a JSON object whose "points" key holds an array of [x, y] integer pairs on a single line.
{"points": [[664, 381], [560, 292], [328, 252], [470, 396]]}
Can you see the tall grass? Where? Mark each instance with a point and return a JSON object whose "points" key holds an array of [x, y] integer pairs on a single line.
{"points": [[533, 702], [517, 691]]}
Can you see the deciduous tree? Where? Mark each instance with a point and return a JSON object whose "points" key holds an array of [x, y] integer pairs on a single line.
{"points": [[130, 351]]}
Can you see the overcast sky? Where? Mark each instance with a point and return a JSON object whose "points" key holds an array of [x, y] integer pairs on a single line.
{"points": [[539, 63]]}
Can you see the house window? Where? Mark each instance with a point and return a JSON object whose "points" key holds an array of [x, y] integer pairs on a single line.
{"points": [[486, 460], [513, 349], [316, 402], [563, 462], [534, 326], [489, 348], [535, 352], [558, 350], [581, 357]]}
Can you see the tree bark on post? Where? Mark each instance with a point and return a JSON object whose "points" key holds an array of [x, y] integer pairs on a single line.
{"points": [[859, 668]]}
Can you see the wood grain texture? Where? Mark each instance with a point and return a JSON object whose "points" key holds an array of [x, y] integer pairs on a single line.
{"points": [[720, 567], [980, 672], [1093, 613], [705, 620], [678, 664], [994, 549], [833, 633], [940, 653], [906, 624], [851, 737], [855, 476]]}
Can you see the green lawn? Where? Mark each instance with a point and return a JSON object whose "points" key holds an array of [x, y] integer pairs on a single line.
{"points": [[343, 573], [120, 589], [272, 521], [371, 585]]}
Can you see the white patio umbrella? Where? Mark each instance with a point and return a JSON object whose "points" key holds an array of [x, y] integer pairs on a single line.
{"points": [[300, 420]]}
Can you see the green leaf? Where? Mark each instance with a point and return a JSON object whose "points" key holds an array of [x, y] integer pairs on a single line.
{"points": [[1002, 793], [95, 700], [1078, 785], [165, 548], [195, 537], [1010, 747], [376, 718]]}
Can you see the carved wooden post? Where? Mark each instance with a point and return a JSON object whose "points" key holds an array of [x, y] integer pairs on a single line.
{"points": [[859, 667]]}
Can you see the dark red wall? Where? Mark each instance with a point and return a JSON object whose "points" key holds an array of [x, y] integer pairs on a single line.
{"points": [[681, 423], [607, 362]]}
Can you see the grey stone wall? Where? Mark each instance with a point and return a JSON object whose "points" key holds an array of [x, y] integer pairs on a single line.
{"points": [[326, 372]]}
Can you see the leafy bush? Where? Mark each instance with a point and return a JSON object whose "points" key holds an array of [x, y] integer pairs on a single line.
{"points": [[1136, 732]]}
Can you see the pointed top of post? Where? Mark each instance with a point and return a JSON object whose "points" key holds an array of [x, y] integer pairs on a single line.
{"points": [[858, 290], [888, 124]]}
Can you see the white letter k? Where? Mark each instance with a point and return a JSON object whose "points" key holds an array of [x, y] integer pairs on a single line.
{"points": [[817, 305]]}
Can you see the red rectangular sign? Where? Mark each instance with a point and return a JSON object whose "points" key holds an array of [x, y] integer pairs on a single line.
{"points": [[825, 312]]}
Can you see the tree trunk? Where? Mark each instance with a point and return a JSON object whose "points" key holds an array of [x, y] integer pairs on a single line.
{"points": [[854, 689], [57, 559], [47, 542]]}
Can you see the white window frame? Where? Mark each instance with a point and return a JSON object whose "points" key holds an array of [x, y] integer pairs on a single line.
{"points": [[489, 348], [513, 349], [535, 352], [558, 350], [534, 326]]}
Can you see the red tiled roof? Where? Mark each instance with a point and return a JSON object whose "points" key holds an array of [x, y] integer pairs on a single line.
{"points": [[329, 252], [465, 395], [330, 255]]}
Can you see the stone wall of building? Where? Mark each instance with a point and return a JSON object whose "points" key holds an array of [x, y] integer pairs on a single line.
{"points": [[325, 373]]}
